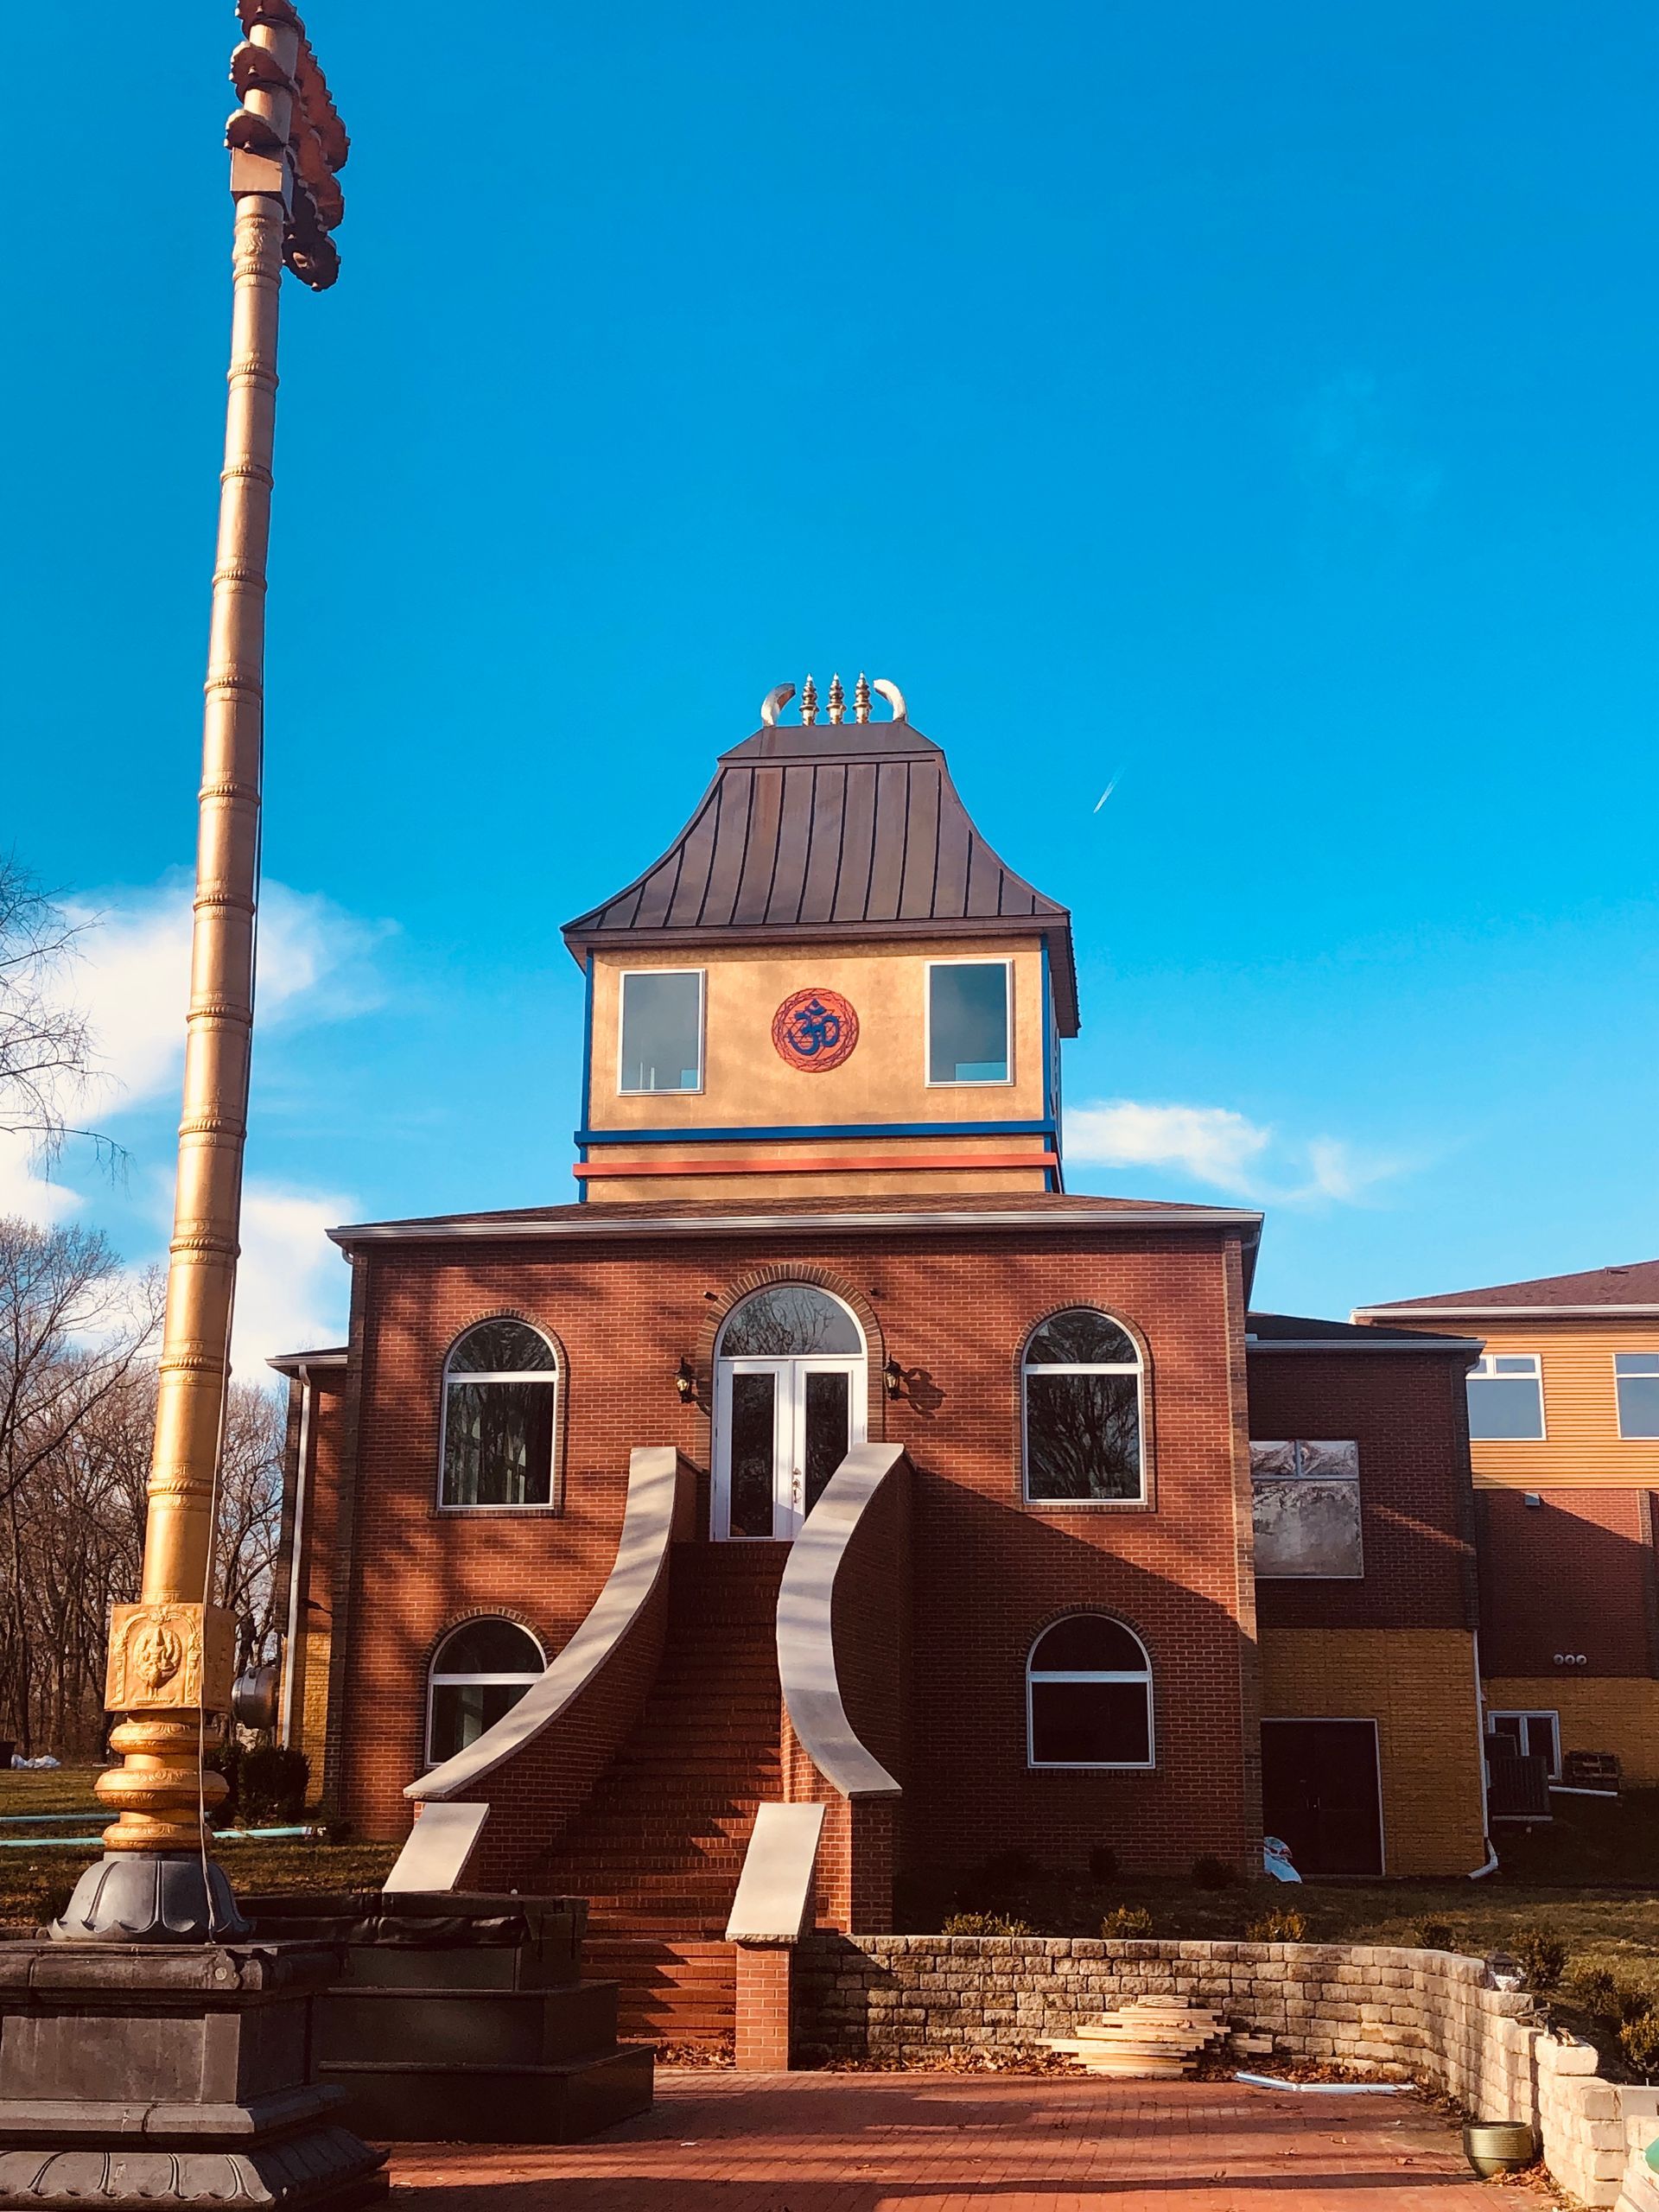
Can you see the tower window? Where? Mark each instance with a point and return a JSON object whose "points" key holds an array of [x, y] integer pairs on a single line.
{"points": [[967, 1020], [661, 1030], [1506, 1397]]}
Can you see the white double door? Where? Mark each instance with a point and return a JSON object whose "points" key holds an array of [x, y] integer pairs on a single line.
{"points": [[782, 1427]]}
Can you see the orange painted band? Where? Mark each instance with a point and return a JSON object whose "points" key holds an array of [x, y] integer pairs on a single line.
{"points": [[828, 1163]]}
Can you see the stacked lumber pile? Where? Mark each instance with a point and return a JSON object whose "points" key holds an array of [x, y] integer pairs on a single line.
{"points": [[1152, 2039]]}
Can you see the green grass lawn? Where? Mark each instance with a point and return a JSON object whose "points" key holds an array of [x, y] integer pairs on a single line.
{"points": [[34, 1882]]}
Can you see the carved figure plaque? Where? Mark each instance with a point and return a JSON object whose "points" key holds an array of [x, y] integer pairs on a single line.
{"points": [[168, 1657]]}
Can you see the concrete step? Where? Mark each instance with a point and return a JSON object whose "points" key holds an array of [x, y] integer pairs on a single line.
{"points": [[389, 2101]]}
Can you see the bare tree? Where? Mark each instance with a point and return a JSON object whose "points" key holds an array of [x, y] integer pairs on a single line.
{"points": [[45, 1043]]}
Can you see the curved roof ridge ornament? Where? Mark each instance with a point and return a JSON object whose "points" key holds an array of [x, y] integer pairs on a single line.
{"points": [[774, 703], [894, 697]]}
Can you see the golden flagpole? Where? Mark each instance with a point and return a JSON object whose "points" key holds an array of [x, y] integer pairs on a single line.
{"points": [[171, 1654]]}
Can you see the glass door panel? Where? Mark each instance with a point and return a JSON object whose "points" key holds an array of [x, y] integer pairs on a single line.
{"points": [[752, 1453], [826, 1414]]}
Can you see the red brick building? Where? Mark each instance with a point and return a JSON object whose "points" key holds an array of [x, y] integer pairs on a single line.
{"points": [[1564, 1407], [827, 1453]]}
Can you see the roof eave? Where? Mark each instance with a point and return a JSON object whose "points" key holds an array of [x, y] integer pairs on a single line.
{"points": [[602, 1222]]}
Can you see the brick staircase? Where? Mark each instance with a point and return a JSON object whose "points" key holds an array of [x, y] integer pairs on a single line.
{"points": [[657, 1848]]}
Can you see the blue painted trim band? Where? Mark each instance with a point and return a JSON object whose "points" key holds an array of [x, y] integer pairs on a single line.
{"points": [[586, 1069], [817, 1132]]}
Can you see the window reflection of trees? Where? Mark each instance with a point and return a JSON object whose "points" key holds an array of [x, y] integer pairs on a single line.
{"points": [[789, 1320], [1082, 1381]]}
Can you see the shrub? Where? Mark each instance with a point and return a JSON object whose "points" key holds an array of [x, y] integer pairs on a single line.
{"points": [[1638, 2040], [1212, 1873], [1541, 1957], [1126, 1922], [268, 1782], [1633, 2000], [1436, 1935], [984, 1923], [1284, 1924], [1597, 1991], [1004, 1868], [1102, 1863]]}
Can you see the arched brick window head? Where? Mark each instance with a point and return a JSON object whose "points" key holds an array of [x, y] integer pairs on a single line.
{"points": [[500, 1391], [1089, 1695], [479, 1672], [1081, 1384]]}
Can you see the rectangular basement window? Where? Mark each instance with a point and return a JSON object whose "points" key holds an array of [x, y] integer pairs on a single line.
{"points": [[1506, 1398], [661, 1030], [968, 1020], [1635, 1377]]}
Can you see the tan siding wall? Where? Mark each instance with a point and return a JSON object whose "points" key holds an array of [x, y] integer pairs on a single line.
{"points": [[745, 1083], [1597, 1714], [1582, 1444], [1419, 1686]]}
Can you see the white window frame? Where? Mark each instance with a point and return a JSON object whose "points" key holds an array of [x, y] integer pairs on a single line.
{"points": [[1525, 1715], [1092, 1675], [1484, 1370], [679, 1090], [1027, 1368], [976, 1082], [1648, 1374], [790, 1371], [552, 1376], [436, 1682]]}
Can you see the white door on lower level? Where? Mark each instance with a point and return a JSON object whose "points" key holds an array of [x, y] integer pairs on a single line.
{"points": [[782, 1427]]}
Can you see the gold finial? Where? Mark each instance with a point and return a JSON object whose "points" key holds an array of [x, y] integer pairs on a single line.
{"points": [[809, 701], [837, 700], [861, 698]]}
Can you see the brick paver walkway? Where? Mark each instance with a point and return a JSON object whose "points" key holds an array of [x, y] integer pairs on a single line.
{"points": [[725, 2142]]}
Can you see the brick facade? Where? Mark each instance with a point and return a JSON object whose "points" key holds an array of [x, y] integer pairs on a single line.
{"points": [[956, 1310]]}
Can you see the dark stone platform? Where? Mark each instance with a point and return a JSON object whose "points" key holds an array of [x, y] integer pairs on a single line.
{"points": [[136, 2074], [463, 2019]]}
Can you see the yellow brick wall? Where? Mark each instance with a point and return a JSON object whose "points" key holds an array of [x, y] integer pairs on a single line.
{"points": [[314, 1705], [1606, 1713], [1418, 1684]]}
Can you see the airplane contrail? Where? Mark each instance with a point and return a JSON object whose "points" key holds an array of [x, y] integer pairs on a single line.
{"points": [[1107, 793]]}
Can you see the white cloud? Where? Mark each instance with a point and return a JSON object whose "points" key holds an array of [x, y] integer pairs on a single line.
{"points": [[133, 978], [1212, 1143], [25, 1194], [292, 1288], [1219, 1147]]}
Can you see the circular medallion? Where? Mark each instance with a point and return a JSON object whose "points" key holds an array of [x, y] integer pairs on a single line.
{"points": [[814, 1030]]}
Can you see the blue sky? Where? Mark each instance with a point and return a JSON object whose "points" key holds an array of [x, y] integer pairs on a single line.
{"points": [[1250, 409]]}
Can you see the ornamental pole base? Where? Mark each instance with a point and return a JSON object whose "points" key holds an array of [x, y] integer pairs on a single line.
{"points": [[151, 1896], [151, 2078]]}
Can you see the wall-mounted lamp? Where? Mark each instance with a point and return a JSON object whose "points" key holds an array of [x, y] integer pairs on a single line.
{"points": [[893, 1378], [685, 1381]]}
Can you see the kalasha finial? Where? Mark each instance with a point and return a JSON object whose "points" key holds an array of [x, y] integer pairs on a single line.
{"points": [[861, 698], [837, 700], [809, 701]]}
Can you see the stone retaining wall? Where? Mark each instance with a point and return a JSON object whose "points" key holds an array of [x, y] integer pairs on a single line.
{"points": [[1429, 2015]]}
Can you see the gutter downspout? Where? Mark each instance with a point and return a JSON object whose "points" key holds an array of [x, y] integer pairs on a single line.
{"points": [[1476, 1873], [301, 1478]]}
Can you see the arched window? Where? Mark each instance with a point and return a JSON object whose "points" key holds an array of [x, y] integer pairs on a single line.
{"points": [[790, 1384], [1081, 1384], [789, 1320], [501, 1385], [1089, 1695], [479, 1672]]}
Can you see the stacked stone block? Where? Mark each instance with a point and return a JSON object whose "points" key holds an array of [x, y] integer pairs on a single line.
{"points": [[1427, 2016]]}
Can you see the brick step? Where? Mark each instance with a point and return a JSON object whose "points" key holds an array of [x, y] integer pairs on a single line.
{"points": [[601, 1825]]}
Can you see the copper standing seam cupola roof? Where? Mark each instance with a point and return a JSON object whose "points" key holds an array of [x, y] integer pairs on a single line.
{"points": [[851, 827]]}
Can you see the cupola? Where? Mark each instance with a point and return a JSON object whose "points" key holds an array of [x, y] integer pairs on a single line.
{"points": [[829, 984]]}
